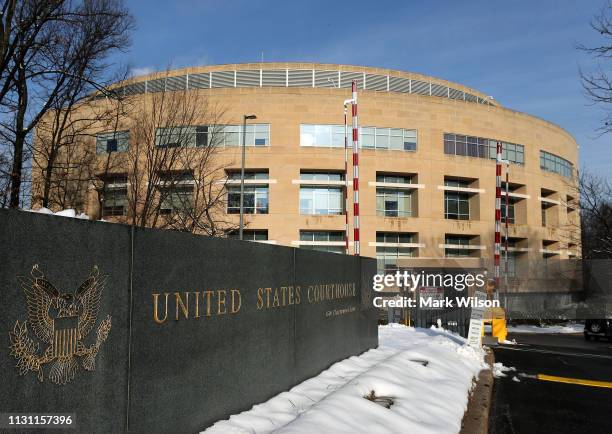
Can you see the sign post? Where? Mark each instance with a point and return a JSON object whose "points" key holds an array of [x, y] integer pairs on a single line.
{"points": [[476, 325]]}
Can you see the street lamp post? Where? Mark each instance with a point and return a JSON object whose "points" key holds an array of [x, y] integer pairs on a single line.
{"points": [[245, 117]]}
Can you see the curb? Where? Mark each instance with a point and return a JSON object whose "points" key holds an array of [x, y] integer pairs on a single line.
{"points": [[476, 417]]}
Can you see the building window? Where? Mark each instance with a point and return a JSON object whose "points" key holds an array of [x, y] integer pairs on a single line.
{"points": [[387, 256], [543, 215], [248, 175], [456, 204], [256, 135], [117, 141], [256, 196], [323, 199], [179, 198], [393, 202], [457, 144], [511, 264], [394, 179], [395, 139], [553, 163], [176, 190], [115, 197], [323, 241], [250, 235], [217, 135], [457, 252], [510, 211]]}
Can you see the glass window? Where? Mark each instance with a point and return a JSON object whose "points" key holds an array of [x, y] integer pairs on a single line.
{"points": [[455, 144], [511, 264], [393, 202], [177, 198], [456, 205], [250, 235], [231, 135], [323, 135], [387, 257], [510, 211], [176, 191], [382, 138], [321, 200], [460, 145], [395, 179], [338, 137], [255, 199], [556, 164], [323, 237], [173, 137], [307, 135], [449, 182], [235, 175], [201, 135], [321, 176], [393, 237], [457, 240], [115, 197], [369, 137], [117, 141], [326, 236]]}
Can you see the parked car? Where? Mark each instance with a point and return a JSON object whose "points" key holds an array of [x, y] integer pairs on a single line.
{"points": [[597, 328]]}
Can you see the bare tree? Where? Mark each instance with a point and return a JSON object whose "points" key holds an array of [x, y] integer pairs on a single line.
{"points": [[203, 209], [5, 179], [570, 232], [596, 216], [598, 84], [63, 155], [50, 51], [175, 175]]}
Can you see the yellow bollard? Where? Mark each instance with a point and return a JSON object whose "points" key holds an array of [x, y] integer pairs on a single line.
{"points": [[499, 329]]}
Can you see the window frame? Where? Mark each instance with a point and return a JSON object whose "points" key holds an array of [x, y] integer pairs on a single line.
{"points": [[367, 137], [121, 139]]}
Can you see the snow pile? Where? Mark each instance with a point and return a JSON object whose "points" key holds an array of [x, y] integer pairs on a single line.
{"points": [[566, 328], [499, 370], [63, 213], [427, 373]]}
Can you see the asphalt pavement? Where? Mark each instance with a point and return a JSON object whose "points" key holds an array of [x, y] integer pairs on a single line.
{"points": [[546, 393]]}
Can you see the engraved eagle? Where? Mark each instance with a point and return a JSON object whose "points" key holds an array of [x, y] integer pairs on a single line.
{"points": [[62, 320]]}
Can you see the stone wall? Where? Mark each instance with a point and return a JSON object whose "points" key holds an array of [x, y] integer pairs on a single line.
{"points": [[200, 328]]}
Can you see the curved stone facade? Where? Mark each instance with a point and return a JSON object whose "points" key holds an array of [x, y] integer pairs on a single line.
{"points": [[438, 180]]}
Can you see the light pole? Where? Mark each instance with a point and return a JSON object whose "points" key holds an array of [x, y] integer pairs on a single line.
{"points": [[245, 117]]}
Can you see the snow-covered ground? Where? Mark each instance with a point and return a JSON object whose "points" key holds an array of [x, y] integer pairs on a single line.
{"points": [[63, 213], [569, 327], [428, 397]]}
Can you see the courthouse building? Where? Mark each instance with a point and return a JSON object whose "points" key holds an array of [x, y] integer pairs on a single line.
{"points": [[427, 169]]}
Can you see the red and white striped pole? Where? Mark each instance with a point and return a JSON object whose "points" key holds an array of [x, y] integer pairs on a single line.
{"points": [[496, 257], [507, 233], [355, 169], [346, 216]]}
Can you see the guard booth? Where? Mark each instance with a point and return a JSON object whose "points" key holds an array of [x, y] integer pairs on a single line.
{"points": [[427, 297]]}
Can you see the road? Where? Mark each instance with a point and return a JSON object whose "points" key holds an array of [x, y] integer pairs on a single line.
{"points": [[537, 406]]}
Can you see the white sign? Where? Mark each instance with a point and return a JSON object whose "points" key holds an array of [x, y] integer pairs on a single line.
{"points": [[474, 337]]}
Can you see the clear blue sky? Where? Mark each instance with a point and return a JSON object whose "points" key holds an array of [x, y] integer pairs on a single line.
{"points": [[521, 52]]}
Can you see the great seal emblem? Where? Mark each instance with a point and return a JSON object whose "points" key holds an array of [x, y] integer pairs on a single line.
{"points": [[61, 321]]}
